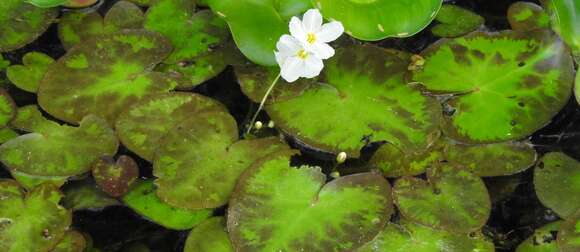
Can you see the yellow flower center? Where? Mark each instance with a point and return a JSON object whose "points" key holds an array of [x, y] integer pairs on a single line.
{"points": [[311, 38], [302, 54]]}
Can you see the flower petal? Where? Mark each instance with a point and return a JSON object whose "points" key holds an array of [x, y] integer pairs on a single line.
{"points": [[288, 44], [296, 29], [312, 21], [292, 69], [312, 67], [330, 32], [281, 58], [322, 50]]}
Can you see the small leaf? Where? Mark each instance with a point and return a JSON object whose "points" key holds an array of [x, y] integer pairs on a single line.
{"points": [[542, 240], [209, 236], [7, 108], [527, 16], [29, 181], [73, 241], [393, 162], [115, 178], [557, 183], [22, 22], [28, 75], [569, 235], [85, 195], [455, 21]]}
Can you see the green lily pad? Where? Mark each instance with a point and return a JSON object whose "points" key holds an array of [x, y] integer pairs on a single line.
{"points": [[246, 19], [394, 162], [498, 159], [452, 199], [557, 183], [378, 19], [209, 236], [543, 239], [86, 195], [7, 134], [32, 221], [115, 178], [143, 200], [527, 16], [77, 26], [418, 238], [280, 208], [517, 82], [7, 108], [198, 164], [455, 21], [565, 17], [60, 150], [28, 75], [161, 112], [365, 86], [105, 75], [4, 63], [73, 241], [22, 22], [47, 3], [569, 235], [29, 181], [30, 119]]}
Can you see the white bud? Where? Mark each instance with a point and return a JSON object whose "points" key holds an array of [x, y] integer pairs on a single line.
{"points": [[341, 157], [258, 125], [271, 124], [335, 174]]}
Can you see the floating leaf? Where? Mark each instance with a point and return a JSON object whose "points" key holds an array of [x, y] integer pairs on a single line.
{"points": [[246, 19], [417, 238], [497, 159], [543, 239], [557, 183], [7, 108], [379, 19], [209, 236], [105, 75], [527, 16], [85, 195], [73, 241], [161, 113], [364, 86], [3, 63], [47, 3], [569, 235], [393, 162], [142, 199], [29, 181], [455, 21], [517, 82], [30, 119], [60, 150], [114, 178], [565, 17], [198, 164], [280, 208], [32, 221], [21, 23], [452, 199], [7, 134], [28, 75]]}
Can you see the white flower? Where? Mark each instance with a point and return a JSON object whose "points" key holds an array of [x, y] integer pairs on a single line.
{"points": [[314, 35], [295, 60]]}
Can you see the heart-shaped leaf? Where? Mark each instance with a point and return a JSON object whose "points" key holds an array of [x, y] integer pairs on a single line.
{"points": [[527, 16], [565, 16], [115, 178], [280, 208], [517, 81], [362, 85], [569, 235], [455, 21], [543, 239], [209, 236], [409, 236], [86, 195], [557, 183], [142, 199], [162, 113], [72, 241], [379, 19], [452, 199], [32, 221], [28, 75], [104, 75], [22, 22]]}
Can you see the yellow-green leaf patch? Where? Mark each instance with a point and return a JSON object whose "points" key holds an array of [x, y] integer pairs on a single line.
{"points": [[7, 108], [455, 21], [394, 162], [557, 183], [569, 235], [73, 241], [542, 240], [28, 75], [209, 236], [527, 16]]}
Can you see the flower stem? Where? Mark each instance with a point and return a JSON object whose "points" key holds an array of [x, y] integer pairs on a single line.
{"points": [[262, 103]]}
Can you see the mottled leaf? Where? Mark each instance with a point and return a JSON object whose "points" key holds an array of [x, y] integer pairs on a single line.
{"points": [[527, 16], [394, 162], [85, 195], [557, 183], [73, 241], [29, 181], [209, 236], [7, 108], [115, 177], [28, 75], [542, 240], [22, 22], [569, 235], [455, 21]]}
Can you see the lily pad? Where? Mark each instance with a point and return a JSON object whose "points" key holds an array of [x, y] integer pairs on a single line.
{"points": [[30, 119], [32, 221], [498, 159], [565, 17], [209, 236], [143, 200], [543, 239], [60, 150], [517, 82], [115, 178], [365, 86], [105, 75], [22, 22], [85, 195], [280, 208], [455, 21], [569, 236], [198, 164], [453, 200], [246, 19], [28, 75], [418, 238], [161, 113], [378, 19], [73, 241], [557, 183], [29, 181], [527, 16], [394, 162], [7, 134], [7, 108]]}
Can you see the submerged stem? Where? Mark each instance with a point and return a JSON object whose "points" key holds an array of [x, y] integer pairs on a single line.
{"points": [[262, 103]]}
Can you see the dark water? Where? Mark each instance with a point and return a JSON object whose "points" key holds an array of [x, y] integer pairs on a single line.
{"points": [[516, 209]]}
